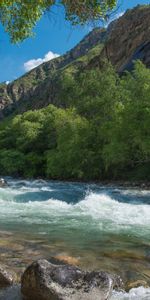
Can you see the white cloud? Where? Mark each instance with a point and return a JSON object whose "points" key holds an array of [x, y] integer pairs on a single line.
{"points": [[33, 63], [7, 82]]}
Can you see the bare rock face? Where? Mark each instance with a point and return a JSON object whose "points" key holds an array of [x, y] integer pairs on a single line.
{"points": [[7, 278], [129, 39], [45, 281]]}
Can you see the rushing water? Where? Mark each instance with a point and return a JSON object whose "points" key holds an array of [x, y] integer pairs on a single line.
{"points": [[105, 228]]}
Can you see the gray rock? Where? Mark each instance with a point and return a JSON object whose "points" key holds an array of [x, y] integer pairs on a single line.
{"points": [[45, 281], [3, 182], [7, 277]]}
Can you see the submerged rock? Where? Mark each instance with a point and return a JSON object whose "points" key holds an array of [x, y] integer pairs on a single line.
{"points": [[45, 281], [7, 277], [3, 182], [136, 284], [65, 259]]}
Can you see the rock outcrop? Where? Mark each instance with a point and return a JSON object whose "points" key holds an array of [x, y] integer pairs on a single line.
{"points": [[129, 39], [45, 281], [3, 183], [124, 41]]}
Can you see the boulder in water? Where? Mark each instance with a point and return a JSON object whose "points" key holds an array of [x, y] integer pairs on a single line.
{"points": [[45, 281], [7, 277], [3, 182]]}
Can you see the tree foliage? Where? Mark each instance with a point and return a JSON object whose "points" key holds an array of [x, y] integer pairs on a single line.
{"points": [[104, 134], [129, 143], [20, 16]]}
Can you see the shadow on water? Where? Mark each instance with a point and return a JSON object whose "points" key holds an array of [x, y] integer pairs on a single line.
{"points": [[11, 293], [67, 196]]}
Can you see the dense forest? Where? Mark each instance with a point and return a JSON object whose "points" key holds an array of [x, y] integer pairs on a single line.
{"points": [[103, 133]]}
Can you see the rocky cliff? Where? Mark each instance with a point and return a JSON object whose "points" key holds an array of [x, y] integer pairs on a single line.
{"points": [[129, 39], [124, 41]]}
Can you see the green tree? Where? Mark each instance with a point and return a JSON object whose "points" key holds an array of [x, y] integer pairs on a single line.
{"points": [[69, 158], [35, 165], [12, 162], [73, 156], [28, 128], [20, 16], [95, 94], [129, 143]]}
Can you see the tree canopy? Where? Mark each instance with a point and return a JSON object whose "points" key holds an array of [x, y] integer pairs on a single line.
{"points": [[103, 134], [20, 16]]}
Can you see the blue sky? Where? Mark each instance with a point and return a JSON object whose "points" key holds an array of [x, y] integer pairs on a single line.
{"points": [[53, 36]]}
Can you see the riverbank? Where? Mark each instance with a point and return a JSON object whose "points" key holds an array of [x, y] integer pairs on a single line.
{"points": [[43, 279]]}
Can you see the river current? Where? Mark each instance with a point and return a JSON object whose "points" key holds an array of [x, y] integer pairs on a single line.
{"points": [[100, 227]]}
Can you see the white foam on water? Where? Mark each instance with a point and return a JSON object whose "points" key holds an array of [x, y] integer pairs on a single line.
{"points": [[26, 189], [107, 213], [139, 293], [135, 192], [46, 189], [102, 206]]}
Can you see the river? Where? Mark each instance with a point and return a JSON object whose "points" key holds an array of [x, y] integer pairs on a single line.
{"points": [[100, 227]]}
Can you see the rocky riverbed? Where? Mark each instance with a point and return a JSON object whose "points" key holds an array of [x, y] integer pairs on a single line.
{"points": [[44, 280], [57, 280], [93, 226]]}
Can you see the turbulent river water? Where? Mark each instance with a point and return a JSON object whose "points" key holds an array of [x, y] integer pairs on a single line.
{"points": [[106, 228]]}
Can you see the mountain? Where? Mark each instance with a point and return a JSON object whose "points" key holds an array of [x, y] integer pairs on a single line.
{"points": [[125, 40]]}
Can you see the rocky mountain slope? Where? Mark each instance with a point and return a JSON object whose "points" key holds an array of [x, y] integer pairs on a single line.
{"points": [[124, 41]]}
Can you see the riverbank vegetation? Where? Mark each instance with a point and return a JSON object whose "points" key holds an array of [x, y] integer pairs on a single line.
{"points": [[102, 134]]}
